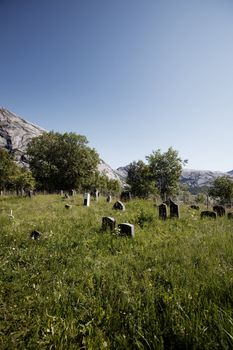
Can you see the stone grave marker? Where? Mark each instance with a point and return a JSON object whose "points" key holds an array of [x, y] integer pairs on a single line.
{"points": [[118, 206], [194, 206], [86, 199], [35, 235], [163, 211], [125, 196], [174, 210], [108, 223], [220, 210], [126, 230], [109, 198], [208, 214], [68, 206]]}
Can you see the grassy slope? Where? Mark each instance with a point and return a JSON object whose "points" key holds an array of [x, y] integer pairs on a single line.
{"points": [[79, 288]]}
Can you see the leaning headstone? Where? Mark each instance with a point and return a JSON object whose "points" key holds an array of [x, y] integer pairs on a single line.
{"points": [[35, 234], [67, 196], [86, 199], [174, 210], [126, 230], [109, 198], [230, 215], [108, 223], [208, 214], [72, 193], [118, 206], [220, 210], [68, 206], [125, 196], [194, 206], [163, 211]]}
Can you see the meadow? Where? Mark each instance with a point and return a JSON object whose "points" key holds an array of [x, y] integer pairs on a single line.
{"points": [[78, 287]]}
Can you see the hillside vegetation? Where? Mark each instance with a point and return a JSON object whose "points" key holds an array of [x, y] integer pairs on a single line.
{"points": [[80, 288]]}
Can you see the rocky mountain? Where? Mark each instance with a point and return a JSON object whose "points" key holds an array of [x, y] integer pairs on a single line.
{"points": [[15, 134]]}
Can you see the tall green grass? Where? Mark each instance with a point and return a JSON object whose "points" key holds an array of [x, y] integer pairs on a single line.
{"points": [[80, 288]]}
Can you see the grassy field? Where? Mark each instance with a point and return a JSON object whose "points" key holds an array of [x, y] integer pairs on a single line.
{"points": [[80, 288]]}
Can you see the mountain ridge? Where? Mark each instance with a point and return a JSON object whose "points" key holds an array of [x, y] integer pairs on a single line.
{"points": [[16, 132]]}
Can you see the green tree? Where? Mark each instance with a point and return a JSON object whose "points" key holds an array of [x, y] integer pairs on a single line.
{"points": [[165, 169], [62, 161], [222, 188], [139, 179], [7, 169]]}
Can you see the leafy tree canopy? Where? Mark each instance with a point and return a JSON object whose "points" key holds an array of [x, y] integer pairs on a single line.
{"points": [[165, 169], [139, 179], [223, 188], [13, 176], [62, 161]]}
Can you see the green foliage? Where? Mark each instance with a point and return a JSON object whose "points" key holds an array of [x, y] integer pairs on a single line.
{"points": [[139, 180], [106, 185], [79, 288], [200, 198], [7, 169], [223, 188], [13, 176], [166, 169], [62, 161]]}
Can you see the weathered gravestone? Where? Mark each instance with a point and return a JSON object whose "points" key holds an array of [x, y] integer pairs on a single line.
{"points": [[35, 234], [30, 193], [125, 196], [61, 192], [230, 215], [220, 210], [108, 223], [126, 230], [118, 206], [174, 210], [109, 198], [86, 199], [72, 193], [163, 211], [67, 196], [208, 214], [68, 206], [193, 206]]}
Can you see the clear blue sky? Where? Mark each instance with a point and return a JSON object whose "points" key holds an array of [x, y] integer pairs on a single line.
{"points": [[131, 75]]}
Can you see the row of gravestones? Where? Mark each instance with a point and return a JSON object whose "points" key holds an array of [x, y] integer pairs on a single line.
{"points": [[125, 229], [174, 210]]}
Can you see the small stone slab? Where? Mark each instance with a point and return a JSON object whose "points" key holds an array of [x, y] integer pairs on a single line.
{"points": [[125, 196], [35, 235], [118, 206], [109, 199], [86, 199], [196, 207], [108, 223], [126, 230], [174, 210], [220, 210], [208, 214], [68, 206], [163, 211]]}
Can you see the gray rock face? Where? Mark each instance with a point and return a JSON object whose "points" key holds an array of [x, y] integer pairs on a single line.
{"points": [[15, 134]]}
